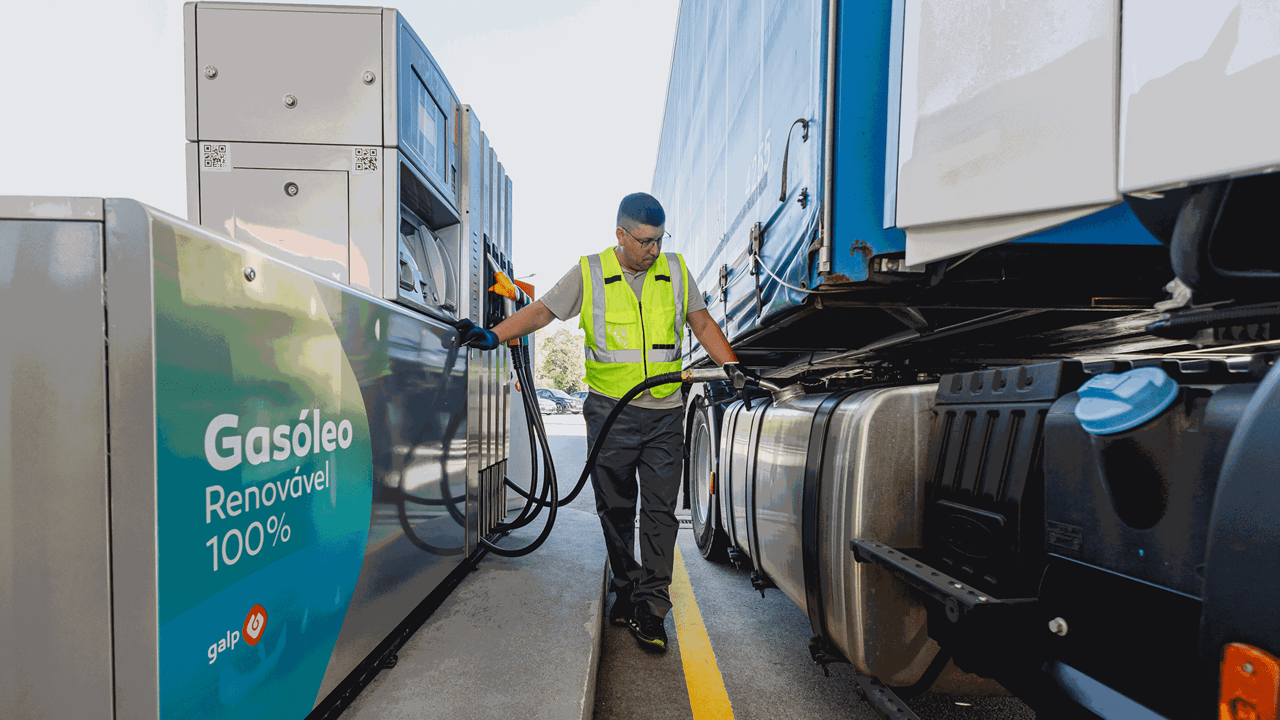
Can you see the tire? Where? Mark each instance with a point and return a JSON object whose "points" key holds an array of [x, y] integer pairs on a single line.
{"points": [[703, 454]]}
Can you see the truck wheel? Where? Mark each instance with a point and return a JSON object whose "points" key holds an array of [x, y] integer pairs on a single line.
{"points": [[703, 447]]}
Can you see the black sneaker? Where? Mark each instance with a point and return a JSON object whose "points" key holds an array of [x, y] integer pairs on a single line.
{"points": [[648, 629], [622, 610]]}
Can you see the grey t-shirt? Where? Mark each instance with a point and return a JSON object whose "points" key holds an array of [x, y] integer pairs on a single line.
{"points": [[564, 300]]}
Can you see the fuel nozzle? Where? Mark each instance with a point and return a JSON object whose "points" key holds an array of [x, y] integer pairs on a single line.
{"points": [[731, 372]]}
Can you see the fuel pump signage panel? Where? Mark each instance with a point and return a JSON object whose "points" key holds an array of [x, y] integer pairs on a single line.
{"points": [[263, 479]]}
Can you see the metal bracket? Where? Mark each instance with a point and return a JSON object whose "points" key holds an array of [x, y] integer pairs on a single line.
{"points": [[958, 599], [760, 581], [823, 654], [757, 241], [882, 699], [724, 282]]}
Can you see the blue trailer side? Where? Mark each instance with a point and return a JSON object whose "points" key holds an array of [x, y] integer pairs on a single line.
{"points": [[748, 91]]}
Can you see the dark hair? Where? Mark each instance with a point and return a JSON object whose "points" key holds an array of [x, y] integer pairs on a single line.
{"points": [[641, 208]]}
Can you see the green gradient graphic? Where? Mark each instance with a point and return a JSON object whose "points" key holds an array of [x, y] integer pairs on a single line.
{"points": [[270, 353]]}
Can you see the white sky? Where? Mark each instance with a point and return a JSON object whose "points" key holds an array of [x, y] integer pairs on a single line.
{"points": [[570, 92]]}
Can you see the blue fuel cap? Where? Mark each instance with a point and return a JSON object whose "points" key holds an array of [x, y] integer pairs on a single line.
{"points": [[1112, 403]]}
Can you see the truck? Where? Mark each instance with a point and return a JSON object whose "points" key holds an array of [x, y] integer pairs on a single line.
{"points": [[1002, 262]]}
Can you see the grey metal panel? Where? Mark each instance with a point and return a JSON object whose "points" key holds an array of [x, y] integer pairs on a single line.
{"points": [[300, 8], [504, 451], [32, 207], [501, 241], [1007, 109], [193, 182], [190, 70], [55, 583], [308, 229], [132, 416], [1197, 91], [387, 265], [507, 220], [518, 448], [489, 165], [470, 201], [390, 78], [267, 53], [873, 487]]}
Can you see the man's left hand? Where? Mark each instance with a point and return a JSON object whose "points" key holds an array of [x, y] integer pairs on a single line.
{"points": [[474, 336]]}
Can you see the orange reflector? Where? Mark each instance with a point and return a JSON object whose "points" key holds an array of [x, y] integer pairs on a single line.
{"points": [[1250, 684], [502, 285], [712, 491]]}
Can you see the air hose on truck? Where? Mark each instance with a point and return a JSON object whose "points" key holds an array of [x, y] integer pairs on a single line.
{"points": [[549, 497]]}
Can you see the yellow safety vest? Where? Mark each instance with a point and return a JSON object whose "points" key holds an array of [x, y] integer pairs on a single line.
{"points": [[629, 341]]}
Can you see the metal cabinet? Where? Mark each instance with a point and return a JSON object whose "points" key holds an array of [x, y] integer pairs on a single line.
{"points": [[287, 73]]}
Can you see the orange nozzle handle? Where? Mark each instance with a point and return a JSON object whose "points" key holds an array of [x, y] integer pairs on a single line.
{"points": [[504, 287]]}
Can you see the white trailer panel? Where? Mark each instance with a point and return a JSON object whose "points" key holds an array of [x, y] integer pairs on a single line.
{"points": [[1198, 91]]}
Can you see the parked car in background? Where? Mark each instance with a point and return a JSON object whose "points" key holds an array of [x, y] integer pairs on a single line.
{"points": [[581, 395], [547, 406], [560, 406], [570, 403]]}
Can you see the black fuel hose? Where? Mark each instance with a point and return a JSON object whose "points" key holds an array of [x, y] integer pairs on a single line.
{"points": [[550, 486]]}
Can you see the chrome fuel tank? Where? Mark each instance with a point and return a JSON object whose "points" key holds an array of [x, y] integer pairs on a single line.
{"points": [[868, 462]]}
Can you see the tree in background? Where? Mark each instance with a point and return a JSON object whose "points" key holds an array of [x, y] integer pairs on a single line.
{"points": [[560, 360]]}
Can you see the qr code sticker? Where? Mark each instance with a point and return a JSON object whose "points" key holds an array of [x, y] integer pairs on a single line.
{"points": [[213, 157], [364, 160]]}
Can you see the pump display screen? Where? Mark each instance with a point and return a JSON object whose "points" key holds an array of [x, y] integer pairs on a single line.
{"points": [[427, 127]]}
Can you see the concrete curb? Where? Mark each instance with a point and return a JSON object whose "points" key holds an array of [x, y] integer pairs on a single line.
{"points": [[597, 630]]}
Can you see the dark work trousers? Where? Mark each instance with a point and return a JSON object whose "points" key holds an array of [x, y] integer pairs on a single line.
{"points": [[647, 443]]}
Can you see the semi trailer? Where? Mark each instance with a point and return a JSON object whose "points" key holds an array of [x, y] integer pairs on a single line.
{"points": [[1010, 267]]}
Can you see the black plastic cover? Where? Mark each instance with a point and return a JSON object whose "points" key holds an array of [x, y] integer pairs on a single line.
{"points": [[1242, 582], [984, 498], [1137, 503]]}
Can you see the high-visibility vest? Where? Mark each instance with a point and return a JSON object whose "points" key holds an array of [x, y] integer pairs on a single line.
{"points": [[627, 340]]}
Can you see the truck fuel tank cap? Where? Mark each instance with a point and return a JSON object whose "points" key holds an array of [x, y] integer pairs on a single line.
{"points": [[1113, 403]]}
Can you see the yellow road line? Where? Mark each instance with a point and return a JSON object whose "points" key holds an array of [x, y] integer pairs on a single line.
{"points": [[701, 673]]}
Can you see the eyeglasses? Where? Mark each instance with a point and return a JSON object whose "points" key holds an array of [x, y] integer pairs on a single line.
{"points": [[647, 243]]}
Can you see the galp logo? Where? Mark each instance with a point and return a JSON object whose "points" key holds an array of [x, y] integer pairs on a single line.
{"points": [[254, 623]]}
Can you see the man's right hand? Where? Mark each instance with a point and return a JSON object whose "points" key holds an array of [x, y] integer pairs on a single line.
{"points": [[739, 375], [471, 335]]}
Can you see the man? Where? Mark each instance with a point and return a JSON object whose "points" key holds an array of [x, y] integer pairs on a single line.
{"points": [[633, 301]]}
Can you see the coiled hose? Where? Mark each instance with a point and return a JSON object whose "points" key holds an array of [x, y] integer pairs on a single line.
{"points": [[550, 498]]}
